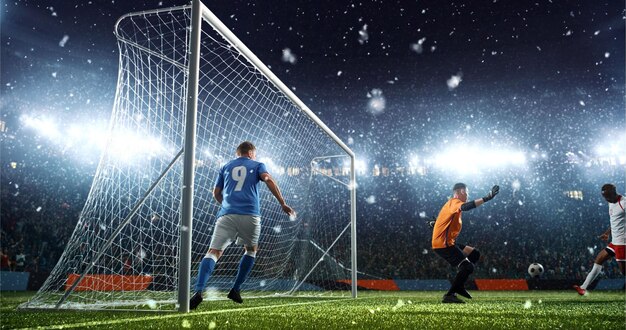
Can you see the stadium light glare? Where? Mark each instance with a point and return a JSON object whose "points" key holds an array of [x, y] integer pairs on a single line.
{"points": [[75, 133], [43, 126], [85, 136], [360, 166], [611, 150], [129, 146], [474, 159], [272, 167], [614, 145]]}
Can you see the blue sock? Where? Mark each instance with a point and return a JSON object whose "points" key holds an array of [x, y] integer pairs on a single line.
{"points": [[206, 269], [245, 266]]}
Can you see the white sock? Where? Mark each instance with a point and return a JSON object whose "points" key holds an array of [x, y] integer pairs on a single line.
{"points": [[595, 271], [211, 256]]}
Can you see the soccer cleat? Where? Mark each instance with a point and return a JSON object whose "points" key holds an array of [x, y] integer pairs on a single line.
{"points": [[580, 290], [195, 300], [235, 296], [464, 293], [451, 299]]}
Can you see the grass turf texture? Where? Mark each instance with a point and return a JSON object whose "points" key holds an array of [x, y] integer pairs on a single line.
{"points": [[372, 310]]}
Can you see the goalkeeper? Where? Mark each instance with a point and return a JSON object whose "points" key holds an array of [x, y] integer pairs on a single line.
{"points": [[445, 231], [239, 217]]}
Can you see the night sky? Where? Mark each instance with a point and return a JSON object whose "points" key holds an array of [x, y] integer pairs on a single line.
{"points": [[394, 79], [547, 73]]}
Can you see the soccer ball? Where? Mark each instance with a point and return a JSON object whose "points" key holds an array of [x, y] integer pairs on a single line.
{"points": [[535, 270]]}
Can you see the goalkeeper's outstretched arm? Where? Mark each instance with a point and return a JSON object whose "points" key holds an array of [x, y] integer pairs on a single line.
{"points": [[478, 202]]}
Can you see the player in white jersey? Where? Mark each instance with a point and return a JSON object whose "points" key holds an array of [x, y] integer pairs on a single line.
{"points": [[617, 230]]}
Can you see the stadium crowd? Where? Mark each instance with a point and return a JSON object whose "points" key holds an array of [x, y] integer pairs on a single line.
{"points": [[540, 223], [39, 212]]}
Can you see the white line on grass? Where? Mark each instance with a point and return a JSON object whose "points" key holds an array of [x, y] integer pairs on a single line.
{"points": [[169, 316]]}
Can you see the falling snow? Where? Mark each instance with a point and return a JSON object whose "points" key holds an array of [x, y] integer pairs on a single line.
{"points": [[289, 56], [454, 81], [363, 35], [518, 110], [418, 46], [64, 40], [376, 104]]}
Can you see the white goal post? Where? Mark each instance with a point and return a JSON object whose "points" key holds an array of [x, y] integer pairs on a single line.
{"points": [[189, 91], [200, 11]]}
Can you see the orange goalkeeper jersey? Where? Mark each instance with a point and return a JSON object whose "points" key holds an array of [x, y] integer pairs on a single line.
{"points": [[448, 224]]}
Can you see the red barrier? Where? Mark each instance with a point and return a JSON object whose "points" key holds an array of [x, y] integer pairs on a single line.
{"points": [[382, 285], [501, 285], [99, 282]]}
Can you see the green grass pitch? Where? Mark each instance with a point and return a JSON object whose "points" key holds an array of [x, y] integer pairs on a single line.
{"points": [[372, 310]]}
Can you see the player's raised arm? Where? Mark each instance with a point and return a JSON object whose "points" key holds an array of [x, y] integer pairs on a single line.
{"points": [[273, 187], [478, 202]]}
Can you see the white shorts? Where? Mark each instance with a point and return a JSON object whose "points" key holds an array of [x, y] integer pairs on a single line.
{"points": [[243, 228]]}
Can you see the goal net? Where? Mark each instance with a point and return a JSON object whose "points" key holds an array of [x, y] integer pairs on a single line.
{"points": [[125, 250]]}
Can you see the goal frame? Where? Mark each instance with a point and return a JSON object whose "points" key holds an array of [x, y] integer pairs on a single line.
{"points": [[199, 13]]}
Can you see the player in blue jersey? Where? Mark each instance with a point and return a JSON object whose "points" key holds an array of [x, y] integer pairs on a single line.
{"points": [[239, 217]]}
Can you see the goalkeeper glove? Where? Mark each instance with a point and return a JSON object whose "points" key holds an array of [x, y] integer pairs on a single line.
{"points": [[494, 191], [431, 222]]}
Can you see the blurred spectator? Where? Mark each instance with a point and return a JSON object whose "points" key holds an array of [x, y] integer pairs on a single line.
{"points": [[5, 260], [33, 265], [20, 262]]}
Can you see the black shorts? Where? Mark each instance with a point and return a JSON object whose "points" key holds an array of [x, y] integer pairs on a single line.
{"points": [[452, 254]]}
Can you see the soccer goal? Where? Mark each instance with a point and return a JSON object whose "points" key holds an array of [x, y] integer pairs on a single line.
{"points": [[189, 91]]}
